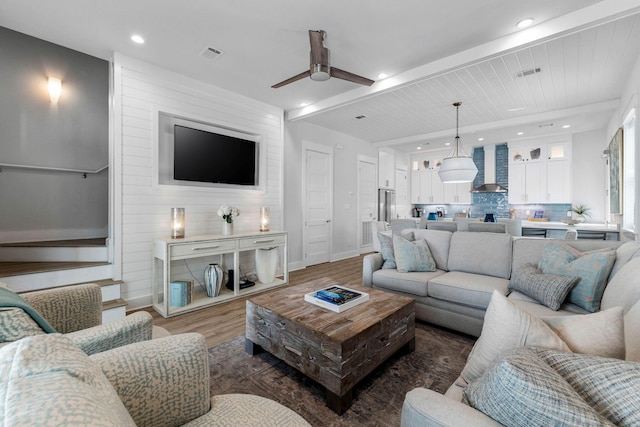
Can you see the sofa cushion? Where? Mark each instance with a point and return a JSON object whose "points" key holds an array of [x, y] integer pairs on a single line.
{"points": [[507, 327], [623, 290], [592, 269], [469, 289], [386, 250], [46, 380], [625, 253], [481, 253], [548, 289], [438, 241], [414, 283], [522, 389], [600, 333], [412, 256]]}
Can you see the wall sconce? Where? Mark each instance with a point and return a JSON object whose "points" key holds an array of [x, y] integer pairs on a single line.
{"points": [[177, 223], [265, 221], [55, 89]]}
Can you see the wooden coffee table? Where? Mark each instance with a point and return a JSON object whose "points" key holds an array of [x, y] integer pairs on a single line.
{"points": [[335, 349]]}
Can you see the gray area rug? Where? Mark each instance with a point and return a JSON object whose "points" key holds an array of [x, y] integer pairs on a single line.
{"points": [[436, 362]]}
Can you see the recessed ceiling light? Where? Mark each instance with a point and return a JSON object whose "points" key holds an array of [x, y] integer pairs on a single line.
{"points": [[520, 133], [516, 109], [566, 126], [525, 23], [383, 75], [137, 39], [303, 104], [419, 148], [480, 139], [447, 144]]}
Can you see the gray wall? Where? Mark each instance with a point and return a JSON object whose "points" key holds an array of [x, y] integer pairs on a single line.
{"points": [[74, 134]]}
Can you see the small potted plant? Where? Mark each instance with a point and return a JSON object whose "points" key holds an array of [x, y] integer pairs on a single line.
{"points": [[228, 213], [581, 212]]}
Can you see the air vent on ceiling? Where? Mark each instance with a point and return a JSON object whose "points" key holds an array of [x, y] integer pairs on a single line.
{"points": [[525, 73], [361, 116], [211, 53], [545, 125]]}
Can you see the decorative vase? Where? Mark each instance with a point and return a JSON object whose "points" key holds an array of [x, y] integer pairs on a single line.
{"points": [[213, 279], [266, 264], [227, 227]]}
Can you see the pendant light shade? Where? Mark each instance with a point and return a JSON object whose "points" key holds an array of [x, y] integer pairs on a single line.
{"points": [[457, 167]]}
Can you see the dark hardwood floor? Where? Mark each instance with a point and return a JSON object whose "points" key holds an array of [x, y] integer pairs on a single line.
{"points": [[222, 322]]}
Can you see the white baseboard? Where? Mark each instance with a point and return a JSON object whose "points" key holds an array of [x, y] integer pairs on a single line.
{"points": [[344, 255]]}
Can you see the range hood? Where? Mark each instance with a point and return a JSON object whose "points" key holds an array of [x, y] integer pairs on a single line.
{"points": [[489, 173]]}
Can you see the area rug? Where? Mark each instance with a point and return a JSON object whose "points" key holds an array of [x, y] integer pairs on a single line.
{"points": [[436, 362]]}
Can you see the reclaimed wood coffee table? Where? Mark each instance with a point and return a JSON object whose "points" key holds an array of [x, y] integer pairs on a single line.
{"points": [[335, 349]]}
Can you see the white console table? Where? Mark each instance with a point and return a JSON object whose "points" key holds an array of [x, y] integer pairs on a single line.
{"points": [[186, 259]]}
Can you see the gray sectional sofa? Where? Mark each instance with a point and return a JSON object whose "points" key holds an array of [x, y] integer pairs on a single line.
{"points": [[470, 268]]}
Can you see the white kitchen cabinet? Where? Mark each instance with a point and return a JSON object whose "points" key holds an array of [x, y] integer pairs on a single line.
{"points": [[558, 181], [540, 173], [386, 170], [426, 187], [457, 193], [526, 183]]}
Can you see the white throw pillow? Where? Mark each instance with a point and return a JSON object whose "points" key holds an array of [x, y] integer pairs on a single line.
{"points": [[507, 327], [600, 334]]}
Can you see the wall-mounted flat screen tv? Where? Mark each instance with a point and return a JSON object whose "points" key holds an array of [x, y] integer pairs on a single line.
{"points": [[204, 156]]}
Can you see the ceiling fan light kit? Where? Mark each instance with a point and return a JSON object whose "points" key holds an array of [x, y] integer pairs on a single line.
{"points": [[457, 167], [320, 69]]}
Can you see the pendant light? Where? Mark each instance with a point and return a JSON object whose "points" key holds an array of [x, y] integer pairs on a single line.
{"points": [[457, 167]]}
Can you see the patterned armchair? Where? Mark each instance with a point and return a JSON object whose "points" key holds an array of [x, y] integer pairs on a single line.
{"points": [[75, 311], [161, 383]]}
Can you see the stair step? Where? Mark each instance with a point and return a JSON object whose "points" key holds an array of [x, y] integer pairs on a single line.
{"points": [[115, 303]]}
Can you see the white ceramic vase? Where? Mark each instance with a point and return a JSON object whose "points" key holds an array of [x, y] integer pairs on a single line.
{"points": [[266, 264], [213, 279], [227, 227]]}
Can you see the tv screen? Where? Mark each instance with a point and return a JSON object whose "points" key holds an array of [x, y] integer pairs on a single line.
{"points": [[211, 157]]}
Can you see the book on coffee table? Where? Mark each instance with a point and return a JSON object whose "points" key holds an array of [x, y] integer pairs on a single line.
{"points": [[336, 298]]}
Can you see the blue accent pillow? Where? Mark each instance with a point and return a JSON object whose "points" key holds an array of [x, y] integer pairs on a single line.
{"points": [[591, 268], [386, 250], [412, 256]]}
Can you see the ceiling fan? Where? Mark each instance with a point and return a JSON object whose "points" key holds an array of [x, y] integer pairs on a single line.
{"points": [[320, 69]]}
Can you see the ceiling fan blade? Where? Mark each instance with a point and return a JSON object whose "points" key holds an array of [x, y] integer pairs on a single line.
{"points": [[317, 47], [292, 79], [345, 75]]}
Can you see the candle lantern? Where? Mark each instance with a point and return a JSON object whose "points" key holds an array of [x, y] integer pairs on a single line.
{"points": [[264, 219], [177, 223]]}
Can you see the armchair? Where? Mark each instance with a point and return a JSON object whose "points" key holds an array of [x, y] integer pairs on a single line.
{"points": [[76, 311], [47, 380]]}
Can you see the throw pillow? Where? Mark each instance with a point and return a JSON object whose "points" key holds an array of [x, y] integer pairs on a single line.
{"points": [[507, 327], [386, 250], [412, 256], [520, 389], [600, 334], [591, 268], [609, 386], [549, 289]]}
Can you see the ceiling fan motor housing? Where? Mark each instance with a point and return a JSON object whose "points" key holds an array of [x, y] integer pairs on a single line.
{"points": [[320, 68]]}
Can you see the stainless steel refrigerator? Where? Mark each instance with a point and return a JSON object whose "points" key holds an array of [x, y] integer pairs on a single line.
{"points": [[386, 205]]}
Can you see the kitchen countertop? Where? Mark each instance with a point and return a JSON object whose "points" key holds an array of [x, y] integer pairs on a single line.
{"points": [[552, 225]]}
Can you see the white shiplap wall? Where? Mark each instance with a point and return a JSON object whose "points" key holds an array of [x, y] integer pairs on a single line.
{"points": [[141, 208]]}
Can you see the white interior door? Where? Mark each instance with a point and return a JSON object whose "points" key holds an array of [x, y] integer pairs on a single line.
{"points": [[318, 197], [367, 200]]}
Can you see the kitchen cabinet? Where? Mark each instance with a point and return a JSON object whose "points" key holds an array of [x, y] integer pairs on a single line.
{"points": [[457, 193], [426, 187], [540, 173], [386, 170]]}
